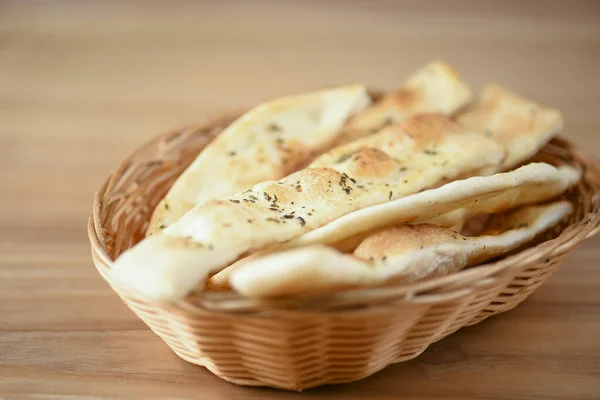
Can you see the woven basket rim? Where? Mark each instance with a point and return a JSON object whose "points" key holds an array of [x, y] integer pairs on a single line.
{"points": [[426, 291]]}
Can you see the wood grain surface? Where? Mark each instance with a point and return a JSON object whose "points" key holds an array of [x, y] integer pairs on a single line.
{"points": [[83, 83]]}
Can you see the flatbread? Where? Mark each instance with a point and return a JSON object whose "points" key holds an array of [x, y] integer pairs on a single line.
{"points": [[447, 206], [268, 142], [434, 88], [456, 219], [421, 152], [531, 183], [402, 254], [521, 125], [276, 138], [504, 232]]}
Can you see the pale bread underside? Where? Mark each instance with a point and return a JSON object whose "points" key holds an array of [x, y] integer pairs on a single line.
{"points": [[404, 254], [456, 219], [421, 152]]}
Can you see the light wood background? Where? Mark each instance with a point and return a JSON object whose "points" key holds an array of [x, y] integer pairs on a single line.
{"points": [[83, 83]]}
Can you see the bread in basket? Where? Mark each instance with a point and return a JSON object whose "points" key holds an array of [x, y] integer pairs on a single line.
{"points": [[332, 336]]}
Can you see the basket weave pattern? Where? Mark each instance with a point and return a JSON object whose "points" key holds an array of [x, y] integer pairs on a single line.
{"points": [[335, 338]]}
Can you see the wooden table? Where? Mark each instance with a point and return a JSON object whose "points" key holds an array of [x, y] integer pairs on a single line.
{"points": [[83, 83]]}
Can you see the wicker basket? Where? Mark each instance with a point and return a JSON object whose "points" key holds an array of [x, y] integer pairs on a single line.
{"points": [[342, 337]]}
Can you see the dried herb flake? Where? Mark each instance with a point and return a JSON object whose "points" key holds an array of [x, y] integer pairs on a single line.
{"points": [[343, 158], [273, 127]]}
